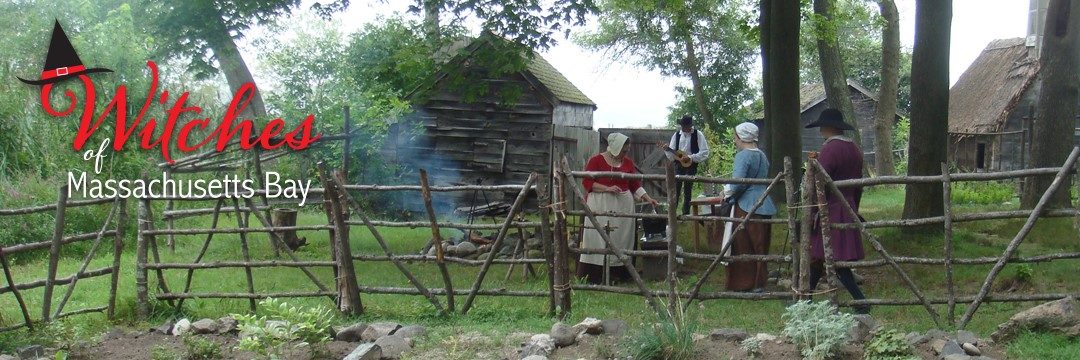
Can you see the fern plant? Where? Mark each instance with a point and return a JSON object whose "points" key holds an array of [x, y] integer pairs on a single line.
{"points": [[817, 329], [280, 325]]}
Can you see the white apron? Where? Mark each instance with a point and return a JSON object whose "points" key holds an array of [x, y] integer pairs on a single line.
{"points": [[622, 233]]}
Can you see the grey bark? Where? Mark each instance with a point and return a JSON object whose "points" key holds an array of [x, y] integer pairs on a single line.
{"points": [[833, 75], [782, 122], [928, 144], [885, 113]]}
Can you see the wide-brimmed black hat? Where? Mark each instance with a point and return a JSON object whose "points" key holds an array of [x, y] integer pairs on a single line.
{"points": [[831, 118], [686, 120], [61, 63]]}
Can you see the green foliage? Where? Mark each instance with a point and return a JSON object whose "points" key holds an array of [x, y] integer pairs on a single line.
{"points": [[900, 142], [1031, 345], [200, 348], [1023, 273], [162, 352], [817, 328], [670, 338], [888, 345], [282, 324], [752, 346], [982, 192]]}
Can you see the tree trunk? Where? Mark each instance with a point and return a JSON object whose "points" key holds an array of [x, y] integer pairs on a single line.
{"points": [[695, 79], [782, 59], [928, 146], [766, 79], [431, 21], [832, 69], [1055, 113], [885, 113], [235, 69]]}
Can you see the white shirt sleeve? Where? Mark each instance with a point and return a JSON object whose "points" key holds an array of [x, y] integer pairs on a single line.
{"points": [[639, 193], [703, 149], [673, 146]]}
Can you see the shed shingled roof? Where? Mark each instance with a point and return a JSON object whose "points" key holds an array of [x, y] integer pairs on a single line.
{"points": [[991, 87]]}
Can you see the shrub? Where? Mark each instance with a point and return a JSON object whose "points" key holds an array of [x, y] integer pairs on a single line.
{"points": [[817, 329], [982, 193], [282, 324], [888, 345], [670, 338], [752, 345], [199, 348], [1023, 273]]}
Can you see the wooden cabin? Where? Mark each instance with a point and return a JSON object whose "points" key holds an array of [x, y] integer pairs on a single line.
{"points": [[519, 123], [991, 107]]}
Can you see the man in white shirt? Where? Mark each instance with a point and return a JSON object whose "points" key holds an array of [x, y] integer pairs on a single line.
{"points": [[691, 142]]}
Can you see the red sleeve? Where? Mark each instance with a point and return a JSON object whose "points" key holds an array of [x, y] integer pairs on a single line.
{"points": [[592, 165], [629, 167]]}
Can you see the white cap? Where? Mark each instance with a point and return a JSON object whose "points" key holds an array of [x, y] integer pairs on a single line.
{"points": [[615, 143], [747, 132]]}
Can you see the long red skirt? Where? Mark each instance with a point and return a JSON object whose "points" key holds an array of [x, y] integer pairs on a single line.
{"points": [[754, 239]]}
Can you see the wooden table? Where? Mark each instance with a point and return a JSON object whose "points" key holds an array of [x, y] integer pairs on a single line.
{"points": [[695, 203]]}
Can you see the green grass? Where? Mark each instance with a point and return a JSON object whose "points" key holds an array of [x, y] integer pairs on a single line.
{"points": [[497, 316]]}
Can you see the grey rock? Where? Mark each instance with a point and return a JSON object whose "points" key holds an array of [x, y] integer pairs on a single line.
{"points": [[936, 334], [964, 336], [971, 349], [351, 333], [411, 331], [181, 327], [165, 328], [1060, 316], [7, 357], [466, 248], [732, 335], [204, 326], [30, 352], [378, 330], [226, 325], [863, 328], [534, 254], [393, 346], [369, 351], [112, 335], [590, 325], [452, 250], [950, 348], [784, 283], [535, 357], [916, 339], [937, 344], [957, 357], [563, 334], [614, 327], [539, 344], [432, 251]]}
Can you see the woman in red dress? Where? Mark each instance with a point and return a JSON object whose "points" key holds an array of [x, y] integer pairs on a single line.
{"points": [[610, 195]]}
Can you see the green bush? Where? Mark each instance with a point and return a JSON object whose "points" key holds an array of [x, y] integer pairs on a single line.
{"points": [[670, 338], [199, 348], [817, 329], [267, 335], [982, 192], [888, 345]]}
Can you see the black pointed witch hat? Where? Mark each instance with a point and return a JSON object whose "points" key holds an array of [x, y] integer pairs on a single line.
{"points": [[62, 62]]}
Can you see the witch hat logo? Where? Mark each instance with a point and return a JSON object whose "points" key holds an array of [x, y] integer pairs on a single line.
{"points": [[62, 62]]}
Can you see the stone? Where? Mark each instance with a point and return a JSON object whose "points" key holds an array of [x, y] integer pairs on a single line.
{"points": [[433, 251], [964, 336], [466, 248], [563, 334], [539, 344], [351, 333], [226, 325], [950, 348], [204, 326], [957, 357], [411, 331], [784, 283], [165, 328], [534, 254], [112, 335], [863, 329], [452, 250], [30, 352], [936, 334], [377, 330], [937, 344], [763, 337], [614, 327], [393, 346], [535, 357], [971, 349], [730, 335], [590, 325], [181, 327], [369, 351], [1058, 316], [916, 339], [7, 357]]}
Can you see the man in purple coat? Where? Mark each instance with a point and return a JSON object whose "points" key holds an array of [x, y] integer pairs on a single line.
{"points": [[842, 159]]}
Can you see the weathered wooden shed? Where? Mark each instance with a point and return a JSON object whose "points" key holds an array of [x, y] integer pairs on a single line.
{"points": [[518, 124], [814, 101], [991, 108]]}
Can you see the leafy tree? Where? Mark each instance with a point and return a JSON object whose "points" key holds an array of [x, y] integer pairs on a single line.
{"points": [[928, 144], [1056, 111]]}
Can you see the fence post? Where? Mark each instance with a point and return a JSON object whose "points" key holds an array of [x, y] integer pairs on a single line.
{"points": [[826, 233], [118, 251], [805, 227], [563, 302], [672, 230], [15, 290], [347, 286], [946, 186], [436, 238], [242, 222], [793, 223], [142, 293], [54, 253], [543, 191]]}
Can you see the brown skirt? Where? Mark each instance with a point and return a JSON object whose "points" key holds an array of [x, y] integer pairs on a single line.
{"points": [[752, 240]]}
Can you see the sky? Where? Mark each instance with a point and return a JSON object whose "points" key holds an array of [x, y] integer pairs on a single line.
{"points": [[630, 96]]}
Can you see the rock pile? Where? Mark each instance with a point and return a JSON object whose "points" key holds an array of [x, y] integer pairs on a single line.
{"points": [[540, 346], [381, 340], [478, 247]]}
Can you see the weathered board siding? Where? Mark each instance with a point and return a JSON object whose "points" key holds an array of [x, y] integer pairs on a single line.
{"points": [[576, 115], [577, 145], [864, 111]]}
